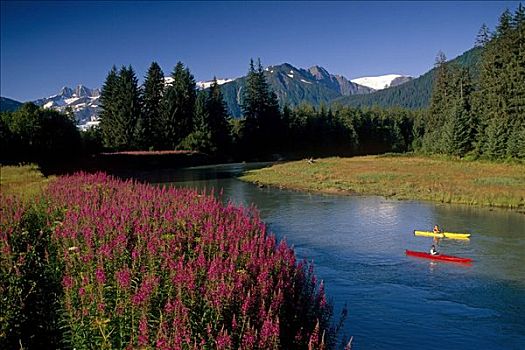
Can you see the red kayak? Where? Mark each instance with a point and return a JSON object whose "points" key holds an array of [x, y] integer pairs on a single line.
{"points": [[442, 257]]}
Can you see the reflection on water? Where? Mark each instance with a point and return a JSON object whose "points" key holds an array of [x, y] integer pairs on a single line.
{"points": [[394, 301]]}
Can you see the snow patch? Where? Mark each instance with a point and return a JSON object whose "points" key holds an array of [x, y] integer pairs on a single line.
{"points": [[307, 82], [71, 100], [206, 84], [290, 75], [88, 125], [377, 83]]}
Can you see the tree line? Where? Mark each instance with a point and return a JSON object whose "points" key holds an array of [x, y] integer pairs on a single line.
{"points": [[32, 133], [172, 114], [481, 117]]}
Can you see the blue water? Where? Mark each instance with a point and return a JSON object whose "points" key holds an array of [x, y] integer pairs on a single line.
{"points": [[395, 301]]}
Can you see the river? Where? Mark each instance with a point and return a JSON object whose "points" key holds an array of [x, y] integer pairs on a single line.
{"points": [[358, 247]]}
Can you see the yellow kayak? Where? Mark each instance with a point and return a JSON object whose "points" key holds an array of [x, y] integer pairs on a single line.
{"points": [[450, 235]]}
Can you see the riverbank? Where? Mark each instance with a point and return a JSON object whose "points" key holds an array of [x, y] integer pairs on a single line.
{"points": [[403, 177]]}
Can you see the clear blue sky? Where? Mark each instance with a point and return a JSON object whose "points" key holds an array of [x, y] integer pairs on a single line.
{"points": [[47, 45]]}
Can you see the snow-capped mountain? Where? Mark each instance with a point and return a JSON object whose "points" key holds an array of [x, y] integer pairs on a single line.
{"points": [[383, 81], [201, 85], [83, 102]]}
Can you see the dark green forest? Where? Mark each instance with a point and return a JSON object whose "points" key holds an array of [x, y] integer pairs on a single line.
{"points": [[481, 114], [476, 110]]}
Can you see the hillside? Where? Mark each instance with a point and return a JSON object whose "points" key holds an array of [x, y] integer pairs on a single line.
{"points": [[8, 105], [413, 94]]}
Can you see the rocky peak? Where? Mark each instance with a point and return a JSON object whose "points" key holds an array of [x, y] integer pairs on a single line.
{"points": [[82, 91], [66, 92], [319, 72]]}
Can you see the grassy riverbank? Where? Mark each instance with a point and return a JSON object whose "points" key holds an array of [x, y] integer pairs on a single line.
{"points": [[25, 180], [404, 177]]}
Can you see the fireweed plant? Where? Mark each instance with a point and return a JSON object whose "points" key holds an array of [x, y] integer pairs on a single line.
{"points": [[132, 266]]}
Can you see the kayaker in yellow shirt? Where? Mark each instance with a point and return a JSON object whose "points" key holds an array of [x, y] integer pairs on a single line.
{"points": [[436, 232]]}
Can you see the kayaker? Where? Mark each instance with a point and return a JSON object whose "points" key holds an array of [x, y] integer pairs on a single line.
{"points": [[436, 232], [433, 250]]}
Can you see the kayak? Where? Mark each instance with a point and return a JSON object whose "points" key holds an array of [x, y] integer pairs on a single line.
{"points": [[442, 257], [450, 235]]}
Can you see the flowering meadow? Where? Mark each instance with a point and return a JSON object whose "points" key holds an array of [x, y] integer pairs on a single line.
{"points": [[96, 262]]}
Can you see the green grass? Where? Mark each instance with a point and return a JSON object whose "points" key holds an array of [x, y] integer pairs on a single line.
{"points": [[24, 180], [409, 177]]}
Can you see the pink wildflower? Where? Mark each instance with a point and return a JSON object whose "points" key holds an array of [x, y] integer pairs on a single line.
{"points": [[143, 332], [123, 278], [100, 275], [68, 281]]}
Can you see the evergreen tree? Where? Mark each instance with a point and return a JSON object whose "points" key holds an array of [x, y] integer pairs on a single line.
{"points": [[121, 108], [178, 107], [201, 120], [149, 126], [128, 109], [108, 108], [519, 18], [200, 138], [483, 36], [439, 104], [516, 142], [218, 118], [260, 107], [505, 24], [458, 129]]}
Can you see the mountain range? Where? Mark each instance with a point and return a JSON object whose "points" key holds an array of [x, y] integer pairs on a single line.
{"points": [[82, 101], [293, 86]]}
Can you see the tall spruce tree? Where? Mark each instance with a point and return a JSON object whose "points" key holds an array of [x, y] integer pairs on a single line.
{"points": [[200, 137], [483, 36], [178, 107], [128, 109], [218, 118], [108, 116], [262, 129], [458, 129], [439, 104], [149, 126]]}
